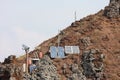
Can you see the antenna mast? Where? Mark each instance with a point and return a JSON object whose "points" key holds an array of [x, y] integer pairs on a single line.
{"points": [[26, 48], [75, 15]]}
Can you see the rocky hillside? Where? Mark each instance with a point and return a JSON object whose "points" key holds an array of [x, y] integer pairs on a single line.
{"points": [[99, 31], [98, 39]]}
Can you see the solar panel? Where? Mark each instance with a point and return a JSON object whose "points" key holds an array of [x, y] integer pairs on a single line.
{"points": [[76, 49], [61, 52], [68, 49], [53, 52], [72, 50]]}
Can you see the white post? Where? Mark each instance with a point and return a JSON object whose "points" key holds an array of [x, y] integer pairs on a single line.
{"points": [[24, 67]]}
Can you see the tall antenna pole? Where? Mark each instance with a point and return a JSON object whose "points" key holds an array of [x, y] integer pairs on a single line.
{"points": [[75, 15]]}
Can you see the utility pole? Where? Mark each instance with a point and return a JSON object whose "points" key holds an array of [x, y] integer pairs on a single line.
{"points": [[58, 38], [58, 42], [60, 35], [26, 48]]}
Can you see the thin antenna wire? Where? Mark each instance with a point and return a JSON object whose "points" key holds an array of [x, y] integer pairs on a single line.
{"points": [[75, 16]]}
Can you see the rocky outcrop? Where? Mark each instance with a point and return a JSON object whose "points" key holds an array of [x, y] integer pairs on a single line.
{"points": [[76, 73], [10, 59], [92, 63], [45, 70], [9, 70], [113, 10]]}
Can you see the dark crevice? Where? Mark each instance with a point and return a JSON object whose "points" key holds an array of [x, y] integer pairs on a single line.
{"points": [[119, 11]]}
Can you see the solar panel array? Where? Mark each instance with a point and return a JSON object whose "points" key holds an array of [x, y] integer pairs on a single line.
{"points": [[72, 50], [59, 52]]}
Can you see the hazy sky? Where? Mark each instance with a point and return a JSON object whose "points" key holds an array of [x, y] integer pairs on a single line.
{"points": [[31, 22]]}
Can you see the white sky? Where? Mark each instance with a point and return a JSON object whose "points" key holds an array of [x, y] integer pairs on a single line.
{"points": [[30, 22]]}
